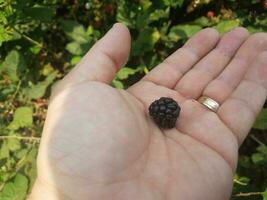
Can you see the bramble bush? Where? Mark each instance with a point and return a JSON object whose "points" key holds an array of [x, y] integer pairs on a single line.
{"points": [[41, 40]]}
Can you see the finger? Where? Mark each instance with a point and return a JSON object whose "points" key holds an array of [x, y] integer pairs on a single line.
{"points": [[221, 87], [194, 82], [176, 65], [104, 59], [239, 111]]}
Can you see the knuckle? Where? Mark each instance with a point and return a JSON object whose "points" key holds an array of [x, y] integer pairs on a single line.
{"points": [[243, 29], [262, 37], [238, 32], [55, 88], [185, 91], [241, 32], [261, 62], [257, 41], [261, 68], [207, 35], [211, 32], [262, 57]]}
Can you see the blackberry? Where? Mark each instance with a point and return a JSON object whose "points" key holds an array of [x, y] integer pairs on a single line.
{"points": [[164, 112]]}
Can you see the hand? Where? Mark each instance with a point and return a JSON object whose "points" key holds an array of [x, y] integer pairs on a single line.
{"points": [[100, 143]]}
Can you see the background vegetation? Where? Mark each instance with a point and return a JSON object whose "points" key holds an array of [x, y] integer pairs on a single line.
{"points": [[41, 40]]}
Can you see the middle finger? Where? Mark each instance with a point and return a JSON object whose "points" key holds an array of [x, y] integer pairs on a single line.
{"points": [[194, 81]]}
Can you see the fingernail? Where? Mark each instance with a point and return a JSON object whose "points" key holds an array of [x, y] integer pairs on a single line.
{"points": [[112, 28]]}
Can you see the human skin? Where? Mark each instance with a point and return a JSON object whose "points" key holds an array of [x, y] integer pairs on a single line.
{"points": [[99, 142]]}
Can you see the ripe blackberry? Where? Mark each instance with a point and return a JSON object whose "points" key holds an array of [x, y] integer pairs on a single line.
{"points": [[164, 112]]}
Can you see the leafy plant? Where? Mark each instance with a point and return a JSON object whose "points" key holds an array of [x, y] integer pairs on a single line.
{"points": [[40, 41]]}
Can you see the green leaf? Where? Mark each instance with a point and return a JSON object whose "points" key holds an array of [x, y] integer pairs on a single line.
{"points": [[253, 29], [35, 49], [6, 91], [4, 35], [30, 169], [13, 144], [117, 84], [224, 26], [158, 14], [127, 12], [142, 20], [21, 153], [75, 60], [9, 145], [173, 3], [16, 190], [4, 151], [241, 180], [3, 18], [22, 118], [75, 31], [258, 158], [262, 149], [125, 72], [202, 21], [38, 90], [47, 69], [177, 2], [264, 194], [41, 13], [145, 4], [183, 31], [76, 48], [146, 40], [13, 65], [261, 121], [90, 30]]}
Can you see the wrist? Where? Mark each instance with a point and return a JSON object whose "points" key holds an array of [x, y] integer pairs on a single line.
{"points": [[41, 190]]}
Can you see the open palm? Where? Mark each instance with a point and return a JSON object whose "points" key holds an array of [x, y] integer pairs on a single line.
{"points": [[100, 143]]}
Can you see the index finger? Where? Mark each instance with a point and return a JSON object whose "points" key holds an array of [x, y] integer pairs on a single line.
{"points": [[177, 64]]}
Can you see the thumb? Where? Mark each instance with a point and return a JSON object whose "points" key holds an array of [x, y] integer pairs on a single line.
{"points": [[104, 59]]}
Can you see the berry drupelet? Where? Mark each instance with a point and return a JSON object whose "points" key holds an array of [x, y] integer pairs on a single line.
{"points": [[164, 112]]}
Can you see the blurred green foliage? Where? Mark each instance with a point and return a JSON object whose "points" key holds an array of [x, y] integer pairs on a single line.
{"points": [[41, 40]]}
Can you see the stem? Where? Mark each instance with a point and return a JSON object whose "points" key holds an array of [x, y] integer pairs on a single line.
{"points": [[239, 182], [146, 70], [2, 81], [2, 186], [256, 139], [21, 161], [248, 194], [17, 90], [33, 41], [28, 38], [35, 139]]}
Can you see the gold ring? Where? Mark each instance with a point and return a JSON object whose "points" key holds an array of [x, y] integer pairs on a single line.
{"points": [[209, 103]]}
